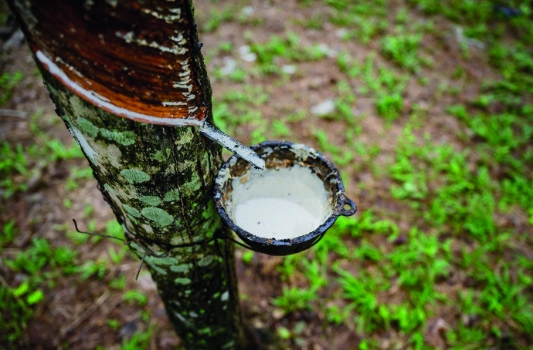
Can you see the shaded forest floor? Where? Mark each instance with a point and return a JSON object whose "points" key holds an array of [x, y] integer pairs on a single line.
{"points": [[426, 109]]}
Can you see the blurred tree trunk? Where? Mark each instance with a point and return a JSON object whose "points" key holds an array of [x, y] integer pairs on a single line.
{"points": [[107, 64]]}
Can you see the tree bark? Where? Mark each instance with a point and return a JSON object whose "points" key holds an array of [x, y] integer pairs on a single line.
{"points": [[104, 63]]}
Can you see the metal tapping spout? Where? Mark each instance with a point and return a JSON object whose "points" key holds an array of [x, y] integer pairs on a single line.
{"points": [[233, 145]]}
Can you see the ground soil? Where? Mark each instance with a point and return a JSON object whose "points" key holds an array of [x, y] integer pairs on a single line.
{"points": [[75, 312]]}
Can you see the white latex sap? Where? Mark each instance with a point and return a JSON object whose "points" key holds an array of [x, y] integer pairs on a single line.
{"points": [[281, 204]]}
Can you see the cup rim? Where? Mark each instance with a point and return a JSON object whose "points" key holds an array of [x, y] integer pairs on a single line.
{"points": [[273, 246]]}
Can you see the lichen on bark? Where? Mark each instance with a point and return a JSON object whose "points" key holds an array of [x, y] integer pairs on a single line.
{"points": [[160, 204]]}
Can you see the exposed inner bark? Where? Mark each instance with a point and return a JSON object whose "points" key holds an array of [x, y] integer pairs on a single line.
{"points": [[127, 57]]}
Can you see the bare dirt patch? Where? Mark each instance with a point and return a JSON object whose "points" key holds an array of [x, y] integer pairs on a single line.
{"points": [[76, 312]]}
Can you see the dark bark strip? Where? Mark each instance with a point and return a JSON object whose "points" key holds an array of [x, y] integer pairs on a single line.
{"points": [[157, 179], [87, 45]]}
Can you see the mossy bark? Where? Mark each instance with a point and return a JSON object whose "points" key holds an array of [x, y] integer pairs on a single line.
{"points": [[158, 181]]}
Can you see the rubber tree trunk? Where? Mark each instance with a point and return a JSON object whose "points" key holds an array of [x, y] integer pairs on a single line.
{"points": [[107, 65]]}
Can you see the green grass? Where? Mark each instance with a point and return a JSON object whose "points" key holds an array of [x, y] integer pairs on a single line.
{"points": [[288, 48], [38, 268], [454, 196], [217, 17], [445, 224], [19, 164], [42, 263], [8, 81]]}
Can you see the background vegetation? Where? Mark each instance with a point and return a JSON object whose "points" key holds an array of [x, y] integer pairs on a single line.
{"points": [[427, 108]]}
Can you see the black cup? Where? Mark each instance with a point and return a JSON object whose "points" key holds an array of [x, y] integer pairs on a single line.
{"points": [[283, 154]]}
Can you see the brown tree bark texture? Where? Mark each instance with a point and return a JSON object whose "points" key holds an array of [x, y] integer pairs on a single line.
{"points": [[105, 63], [139, 60]]}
